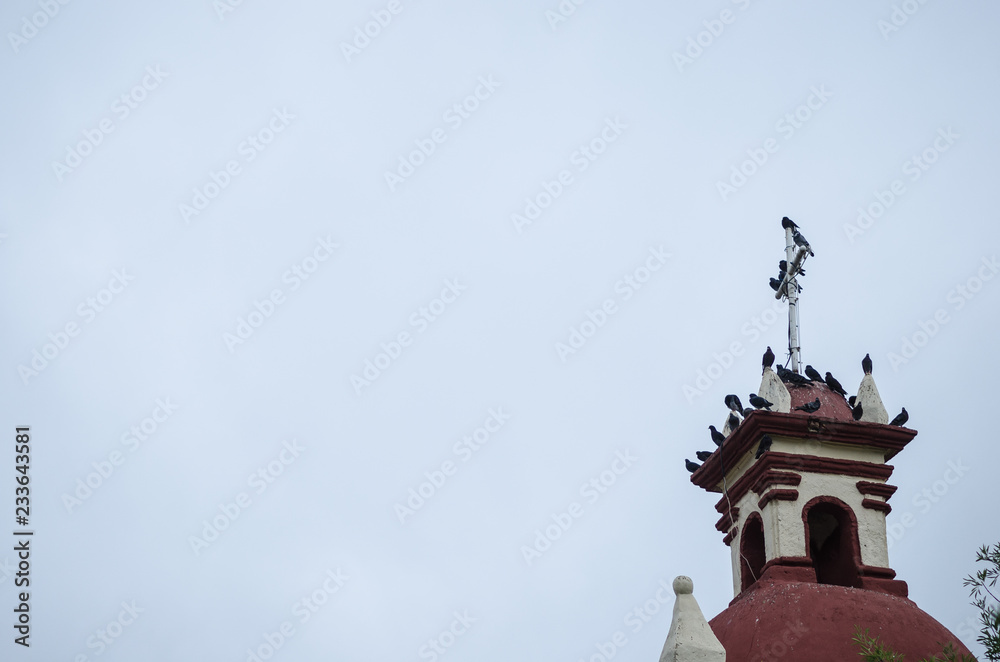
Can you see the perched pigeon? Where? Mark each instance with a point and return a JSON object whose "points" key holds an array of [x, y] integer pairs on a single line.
{"points": [[733, 402], [786, 375], [703, 455], [857, 412], [734, 421], [801, 241], [809, 407], [901, 418], [788, 223], [851, 400], [812, 374], [783, 268], [835, 385], [866, 364], [759, 402], [768, 359], [748, 411], [717, 436], [765, 445], [775, 284], [691, 466]]}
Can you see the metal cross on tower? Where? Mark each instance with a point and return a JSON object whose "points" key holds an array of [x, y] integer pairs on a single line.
{"points": [[796, 251]]}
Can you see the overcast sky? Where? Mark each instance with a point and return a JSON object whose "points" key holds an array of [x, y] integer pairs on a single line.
{"points": [[305, 250]]}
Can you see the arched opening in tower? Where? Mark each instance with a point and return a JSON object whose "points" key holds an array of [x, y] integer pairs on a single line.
{"points": [[752, 556], [833, 536]]}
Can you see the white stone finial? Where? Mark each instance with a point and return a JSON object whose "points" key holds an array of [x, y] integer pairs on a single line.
{"points": [[690, 638], [872, 409], [774, 391]]}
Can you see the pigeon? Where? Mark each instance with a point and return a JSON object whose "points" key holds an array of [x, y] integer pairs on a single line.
{"points": [[812, 374], [775, 284], [734, 421], [788, 223], [747, 412], [801, 241], [851, 400], [787, 375], [691, 466], [866, 364], [765, 445], [835, 385], [857, 412], [759, 402], [901, 418], [703, 455], [733, 402], [768, 359], [783, 268], [717, 436], [809, 407]]}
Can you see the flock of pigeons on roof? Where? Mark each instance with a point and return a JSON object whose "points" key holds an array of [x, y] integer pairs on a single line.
{"points": [[738, 413]]}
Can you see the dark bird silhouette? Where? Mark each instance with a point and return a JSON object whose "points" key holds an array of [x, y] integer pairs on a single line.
{"points": [[786, 375], [812, 374], [851, 400], [775, 284], [835, 385], [759, 402], [901, 418], [801, 241], [765, 446], [733, 402], [768, 359], [809, 407], [703, 455], [748, 411], [717, 436], [857, 412], [788, 223], [691, 466], [783, 268], [734, 421], [866, 364]]}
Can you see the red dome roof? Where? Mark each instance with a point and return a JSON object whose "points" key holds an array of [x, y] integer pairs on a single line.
{"points": [[832, 405], [808, 622]]}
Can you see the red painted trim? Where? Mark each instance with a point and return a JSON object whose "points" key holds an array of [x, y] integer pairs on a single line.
{"points": [[779, 495], [876, 489], [875, 504], [773, 477]]}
